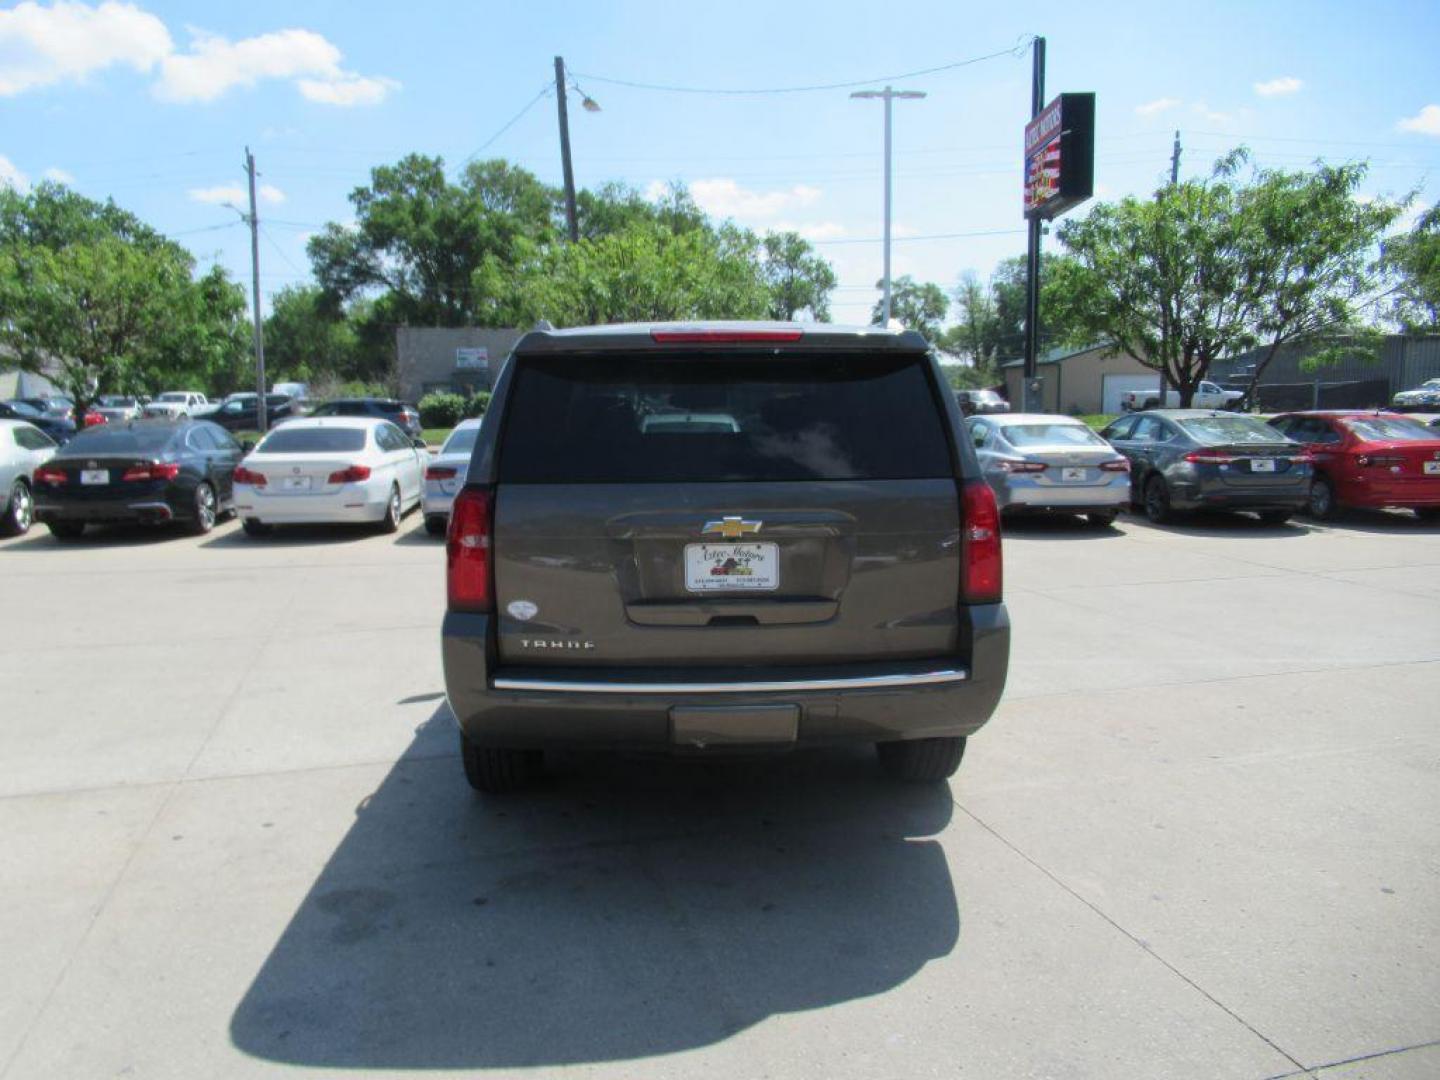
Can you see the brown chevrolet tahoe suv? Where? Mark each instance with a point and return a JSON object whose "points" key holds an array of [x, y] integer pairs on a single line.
{"points": [[722, 536]]}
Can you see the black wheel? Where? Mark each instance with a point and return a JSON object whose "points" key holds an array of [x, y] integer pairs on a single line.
{"points": [[1274, 517], [1102, 519], [1322, 504], [21, 511], [436, 524], [66, 530], [391, 521], [1157, 501], [921, 761], [256, 527], [205, 509], [497, 770]]}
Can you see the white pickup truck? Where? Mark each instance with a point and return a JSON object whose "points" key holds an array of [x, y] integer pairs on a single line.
{"points": [[176, 403], [1207, 396]]}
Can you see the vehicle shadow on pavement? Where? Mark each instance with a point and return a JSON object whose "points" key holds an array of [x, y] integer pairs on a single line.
{"points": [[39, 537], [1222, 525], [1384, 523], [294, 536], [628, 907], [1057, 527]]}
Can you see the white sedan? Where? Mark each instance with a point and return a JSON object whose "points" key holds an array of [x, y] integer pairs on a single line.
{"points": [[331, 470], [445, 475], [23, 448]]}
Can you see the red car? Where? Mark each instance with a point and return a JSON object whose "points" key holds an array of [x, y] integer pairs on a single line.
{"points": [[1369, 459]]}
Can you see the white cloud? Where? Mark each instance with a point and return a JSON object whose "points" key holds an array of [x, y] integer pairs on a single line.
{"points": [[1285, 84], [1158, 106], [236, 194], [12, 177], [1209, 115], [1425, 122], [41, 46], [60, 176], [820, 230], [347, 89], [724, 198]]}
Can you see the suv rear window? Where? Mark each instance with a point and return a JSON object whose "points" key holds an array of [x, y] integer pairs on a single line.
{"points": [[660, 420]]}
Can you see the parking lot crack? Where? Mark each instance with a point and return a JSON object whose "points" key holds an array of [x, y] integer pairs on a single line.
{"points": [[1301, 1068]]}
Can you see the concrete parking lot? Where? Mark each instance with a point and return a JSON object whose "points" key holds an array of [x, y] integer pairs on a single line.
{"points": [[1200, 839]]}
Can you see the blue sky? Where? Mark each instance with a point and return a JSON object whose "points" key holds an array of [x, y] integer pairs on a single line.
{"points": [[153, 103]]}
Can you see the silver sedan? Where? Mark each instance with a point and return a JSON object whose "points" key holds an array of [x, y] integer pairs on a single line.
{"points": [[23, 448], [445, 475], [1050, 465]]}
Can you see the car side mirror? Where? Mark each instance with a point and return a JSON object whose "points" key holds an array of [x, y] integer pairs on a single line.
{"points": [[247, 445], [419, 443]]}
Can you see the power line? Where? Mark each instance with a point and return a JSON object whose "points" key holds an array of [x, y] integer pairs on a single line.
{"points": [[1014, 50], [207, 228], [281, 252], [508, 124]]}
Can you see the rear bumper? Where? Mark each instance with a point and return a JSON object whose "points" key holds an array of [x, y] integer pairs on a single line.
{"points": [[1218, 497], [352, 504], [1019, 495], [436, 502], [154, 510], [542, 707], [1421, 494]]}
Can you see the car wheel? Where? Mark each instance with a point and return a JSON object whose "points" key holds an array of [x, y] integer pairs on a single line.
{"points": [[921, 761], [499, 770], [436, 524], [204, 509], [66, 530], [1102, 519], [1322, 504], [17, 519], [1274, 517], [391, 521], [256, 527], [1157, 501]]}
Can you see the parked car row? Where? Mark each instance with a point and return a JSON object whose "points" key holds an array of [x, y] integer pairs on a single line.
{"points": [[1171, 461]]}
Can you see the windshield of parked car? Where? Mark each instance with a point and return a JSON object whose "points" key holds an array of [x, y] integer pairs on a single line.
{"points": [[293, 440], [173, 396], [114, 401], [24, 409], [1388, 429], [461, 441], [1021, 436], [113, 441], [1231, 430]]}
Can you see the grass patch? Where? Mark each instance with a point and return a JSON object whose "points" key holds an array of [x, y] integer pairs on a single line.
{"points": [[436, 435], [1096, 421]]}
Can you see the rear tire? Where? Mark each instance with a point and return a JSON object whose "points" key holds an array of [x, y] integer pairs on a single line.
{"points": [[1274, 517], [1102, 519], [922, 761], [21, 511], [436, 524], [66, 530], [499, 770], [256, 527], [205, 509], [391, 521], [1430, 514], [1157, 501], [1323, 505]]}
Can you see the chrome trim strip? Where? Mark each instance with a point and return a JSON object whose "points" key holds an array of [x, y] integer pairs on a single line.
{"points": [[679, 689]]}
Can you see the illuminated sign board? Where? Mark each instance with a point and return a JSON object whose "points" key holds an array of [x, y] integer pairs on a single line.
{"points": [[1060, 156]]}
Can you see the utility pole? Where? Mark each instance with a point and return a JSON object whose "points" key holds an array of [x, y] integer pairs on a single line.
{"points": [[889, 96], [254, 220], [571, 221], [1175, 160], [1032, 251]]}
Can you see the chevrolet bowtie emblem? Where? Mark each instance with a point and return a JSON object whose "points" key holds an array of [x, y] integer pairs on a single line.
{"points": [[731, 528]]}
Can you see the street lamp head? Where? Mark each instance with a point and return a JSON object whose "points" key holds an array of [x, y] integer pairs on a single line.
{"points": [[867, 94], [588, 103], [909, 94]]}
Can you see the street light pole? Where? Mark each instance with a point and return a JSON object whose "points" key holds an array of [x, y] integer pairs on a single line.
{"points": [[254, 221], [888, 95]]}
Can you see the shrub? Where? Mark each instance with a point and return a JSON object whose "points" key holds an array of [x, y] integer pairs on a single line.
{"points": [[477, 405], [441, 410]]}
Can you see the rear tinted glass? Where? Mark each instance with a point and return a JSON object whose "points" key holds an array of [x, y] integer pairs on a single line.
{"points": [[695, 420], [461, 441], [1231, 429], [1389, 429], [1024, 435], [291, 440], [120, 442]]}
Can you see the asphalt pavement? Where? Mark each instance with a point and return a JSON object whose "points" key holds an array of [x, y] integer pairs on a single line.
{"points": [[1201, 838]]}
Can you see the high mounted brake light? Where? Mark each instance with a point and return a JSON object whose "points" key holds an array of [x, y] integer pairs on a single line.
{"points": [[724, 337]]}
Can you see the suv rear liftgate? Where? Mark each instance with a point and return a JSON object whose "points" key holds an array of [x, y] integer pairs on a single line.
{"points": [[730, 535]]}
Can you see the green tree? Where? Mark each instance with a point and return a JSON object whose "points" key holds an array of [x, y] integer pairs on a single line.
{"points": [[614, 207], [798, 279], [1414, 259], [916, 305], [304, 337], [442, 253]]}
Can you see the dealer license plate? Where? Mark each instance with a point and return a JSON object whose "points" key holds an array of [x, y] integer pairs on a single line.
{"points": [[1432, 468], [296, 483], [1067, 475], [716, 567], [1262, 464], [94, 476]]}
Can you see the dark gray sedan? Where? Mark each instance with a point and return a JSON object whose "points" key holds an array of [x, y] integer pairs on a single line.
{"points": [[1194, 459]]}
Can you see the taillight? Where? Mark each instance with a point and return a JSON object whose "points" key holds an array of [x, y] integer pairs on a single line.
{"points": [[49, 474], [1021, 466], [980, 558], [1378, 461], [1118, 465], [724, 337], [93, 418], [245, 476], [439, 472], [351, 475], [1210, 457], [467, 551], [154, 470]]}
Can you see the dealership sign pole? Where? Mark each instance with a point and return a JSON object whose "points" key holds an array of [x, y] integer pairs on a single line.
{"points": [[1059, 175]]}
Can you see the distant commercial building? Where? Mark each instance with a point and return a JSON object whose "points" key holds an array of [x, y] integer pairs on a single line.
{"points": [[459, 360], [1081, 381]]}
